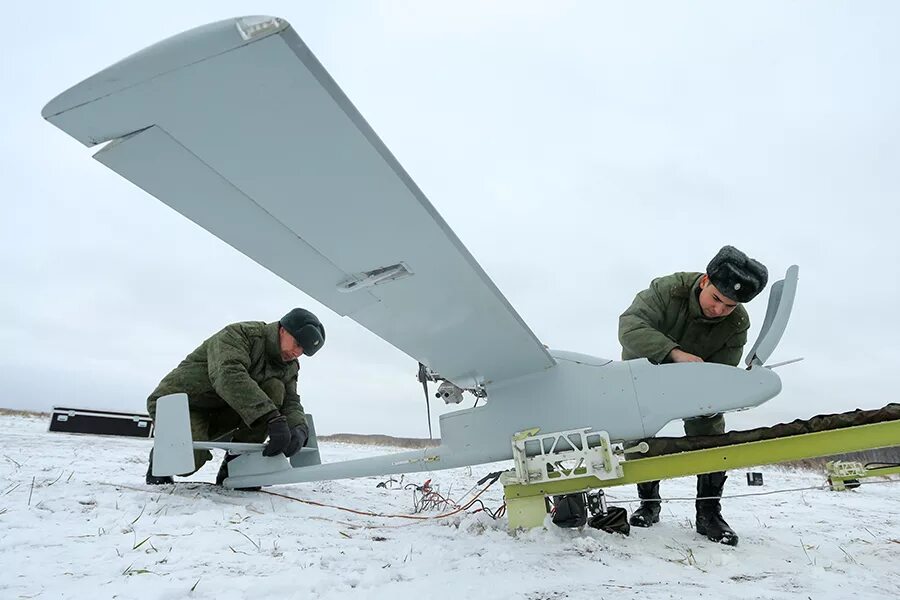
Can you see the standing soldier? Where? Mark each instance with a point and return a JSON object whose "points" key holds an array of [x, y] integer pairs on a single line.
{"points": [[694, 317], [241, 385]]}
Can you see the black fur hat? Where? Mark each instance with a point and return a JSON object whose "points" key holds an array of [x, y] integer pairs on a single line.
{"points": [[736, 275], [306, 329]]}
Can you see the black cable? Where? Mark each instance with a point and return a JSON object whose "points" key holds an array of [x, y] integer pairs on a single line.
{"points": [[494, 514], [492, 476]]}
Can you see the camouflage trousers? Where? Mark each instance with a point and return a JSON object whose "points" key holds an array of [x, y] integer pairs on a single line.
{"points": [[708, 425], [695, 426], [223, 424]]}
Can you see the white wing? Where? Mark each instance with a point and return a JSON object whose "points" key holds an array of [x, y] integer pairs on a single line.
{"points": [[238, 127]]}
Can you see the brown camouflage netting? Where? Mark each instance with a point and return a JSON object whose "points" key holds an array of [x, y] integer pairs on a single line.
{"points": [[671, 445]]}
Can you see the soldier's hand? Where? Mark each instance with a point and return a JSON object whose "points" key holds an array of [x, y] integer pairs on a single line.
{"points": [[299, 437], [279, 436], [680, 356]]}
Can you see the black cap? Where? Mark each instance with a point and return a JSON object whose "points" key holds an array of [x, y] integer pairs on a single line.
{"points": [[736, 275], [306, 329]]}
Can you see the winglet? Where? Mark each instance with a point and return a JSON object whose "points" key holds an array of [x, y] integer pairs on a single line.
{"points": [[781, 301]]}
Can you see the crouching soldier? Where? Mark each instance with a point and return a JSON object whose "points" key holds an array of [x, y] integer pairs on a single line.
{"points": [[241, 385], [694, 317]]}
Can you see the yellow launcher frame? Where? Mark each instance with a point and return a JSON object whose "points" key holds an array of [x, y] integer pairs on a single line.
{"points": [[526, 505]]}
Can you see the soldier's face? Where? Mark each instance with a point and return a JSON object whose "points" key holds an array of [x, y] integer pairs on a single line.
{"points": [[290, 349], [712, 302]]}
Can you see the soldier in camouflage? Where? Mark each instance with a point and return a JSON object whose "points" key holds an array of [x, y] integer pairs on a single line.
{"points": [[694, 317], [241, 385]]}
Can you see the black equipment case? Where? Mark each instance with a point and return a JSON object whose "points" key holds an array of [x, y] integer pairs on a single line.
{"points": [[100, 422]]}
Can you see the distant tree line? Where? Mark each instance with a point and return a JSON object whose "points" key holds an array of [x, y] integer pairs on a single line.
{"points": [[882, 455], [381, 440]]}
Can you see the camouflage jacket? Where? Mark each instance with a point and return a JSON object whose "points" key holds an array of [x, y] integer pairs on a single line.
{"points": [[667, 315], [227, 368]]}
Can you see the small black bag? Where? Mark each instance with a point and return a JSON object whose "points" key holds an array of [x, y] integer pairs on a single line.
{"points": [[614, 521], [569, 510]]}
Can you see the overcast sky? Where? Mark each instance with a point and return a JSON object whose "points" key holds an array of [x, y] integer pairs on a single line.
{"points": [[578, 149]]}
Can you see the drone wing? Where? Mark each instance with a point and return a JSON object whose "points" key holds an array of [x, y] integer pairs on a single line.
{"points": [[238, 127]]}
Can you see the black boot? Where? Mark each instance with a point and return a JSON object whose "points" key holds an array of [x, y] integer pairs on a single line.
{"points": [[222, 475], [154, 479], [648, 513], [709, 512]]}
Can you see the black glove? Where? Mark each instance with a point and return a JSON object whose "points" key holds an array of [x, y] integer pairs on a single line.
{"points": [[299, 437], [279, 436]]}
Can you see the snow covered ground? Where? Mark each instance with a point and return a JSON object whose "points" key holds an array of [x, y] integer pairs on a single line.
{"points": [[77, 521]]}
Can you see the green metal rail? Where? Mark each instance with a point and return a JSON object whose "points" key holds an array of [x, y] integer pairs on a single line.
{"points": [[526, 505]]}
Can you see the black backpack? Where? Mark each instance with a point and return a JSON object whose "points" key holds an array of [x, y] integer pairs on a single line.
{"points": [[569, 510]]}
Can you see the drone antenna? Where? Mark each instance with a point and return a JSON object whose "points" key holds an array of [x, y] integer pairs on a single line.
{"points": [[423, 377]]}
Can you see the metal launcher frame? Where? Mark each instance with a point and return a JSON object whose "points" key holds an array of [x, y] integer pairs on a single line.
{"points": [[540, 473]]}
